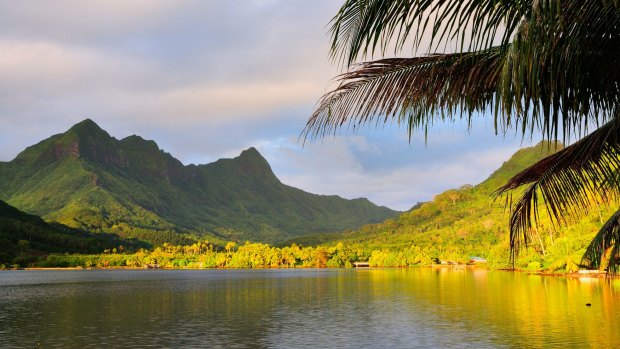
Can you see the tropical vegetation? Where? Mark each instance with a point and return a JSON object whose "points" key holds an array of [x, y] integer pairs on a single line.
{"points": [[458, 226], [25, 238], [536, 67]]}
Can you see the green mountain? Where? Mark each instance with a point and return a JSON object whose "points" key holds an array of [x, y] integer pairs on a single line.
{"points": [[24, 237], [468, 221], [85, 178]]}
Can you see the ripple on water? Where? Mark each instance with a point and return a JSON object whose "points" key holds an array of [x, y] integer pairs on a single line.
{"points": [[391, 308]]}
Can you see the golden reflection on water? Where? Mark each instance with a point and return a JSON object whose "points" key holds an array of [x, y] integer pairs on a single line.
{"points": [[536, 310], [367, 308]]}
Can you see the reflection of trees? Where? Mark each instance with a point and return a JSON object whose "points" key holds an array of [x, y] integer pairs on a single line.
{"points": [[287, 308]]}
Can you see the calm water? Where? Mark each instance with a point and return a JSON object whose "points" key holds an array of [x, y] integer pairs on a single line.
{"points": [[373, 308]]}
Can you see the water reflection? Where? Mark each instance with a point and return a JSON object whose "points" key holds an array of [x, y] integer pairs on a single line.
{"points": [[372, 308]]}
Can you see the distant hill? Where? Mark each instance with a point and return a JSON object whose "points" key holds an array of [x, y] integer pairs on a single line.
{"points": [[23, 237], [85, 178], [468, 205], [469, 221]]}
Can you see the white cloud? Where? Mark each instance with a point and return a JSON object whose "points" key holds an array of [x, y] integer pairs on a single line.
{"points": [[41, 67], [207, 79], [337, 166], [81, 22], [51, 70]]}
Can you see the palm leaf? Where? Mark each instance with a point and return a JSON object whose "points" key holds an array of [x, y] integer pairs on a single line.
{"points": [[606, 241], [558, 76], [408, 90], [362, 27], [569, 181], [563, 67]]}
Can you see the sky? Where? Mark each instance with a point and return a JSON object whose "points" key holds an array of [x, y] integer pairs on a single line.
{"points": [[207, 79]]}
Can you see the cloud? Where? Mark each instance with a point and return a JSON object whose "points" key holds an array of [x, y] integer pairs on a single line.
{"points": [[157, 66], [207, 79], [379, 167], [79, 22], [41, 67], [193, 60]]}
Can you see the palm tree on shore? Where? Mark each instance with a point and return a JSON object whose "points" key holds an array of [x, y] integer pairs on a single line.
{"points": [[549, 67]]}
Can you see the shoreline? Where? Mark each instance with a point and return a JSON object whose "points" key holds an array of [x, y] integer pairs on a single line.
{"points": [[577, 275]]}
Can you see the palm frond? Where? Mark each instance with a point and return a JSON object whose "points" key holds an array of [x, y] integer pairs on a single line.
{"points": [[562, 66], [606, 244], [559, 71], [569, 181], [410, 90], [362, 27]]}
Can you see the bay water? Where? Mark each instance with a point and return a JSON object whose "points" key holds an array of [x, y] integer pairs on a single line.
{"points": [[306, 308]]}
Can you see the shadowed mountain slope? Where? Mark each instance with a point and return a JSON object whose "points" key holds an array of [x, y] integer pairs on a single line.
{"points": [[24, 237]]}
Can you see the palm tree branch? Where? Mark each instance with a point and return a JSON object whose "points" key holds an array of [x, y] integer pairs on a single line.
{"points": [[562, 66], [569, 181], [560, 76], [606, 241], [410, 90], [363, 26]]}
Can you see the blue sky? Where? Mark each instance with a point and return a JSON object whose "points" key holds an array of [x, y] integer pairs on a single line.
{"points": [[206, 79]]}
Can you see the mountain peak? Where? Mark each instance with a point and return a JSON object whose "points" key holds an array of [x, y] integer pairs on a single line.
{"points": [[137, 142], [89, 130], [78, 141], [251, 162], [86, 140], [87, 126], [251, 155], [251, 152]]}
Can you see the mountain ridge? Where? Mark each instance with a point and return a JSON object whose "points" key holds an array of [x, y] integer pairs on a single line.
{"points": [[85, 178]]}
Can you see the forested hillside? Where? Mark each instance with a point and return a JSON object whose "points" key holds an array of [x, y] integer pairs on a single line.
{"points": [[24, 238], [470, 221], [85, 178]]}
